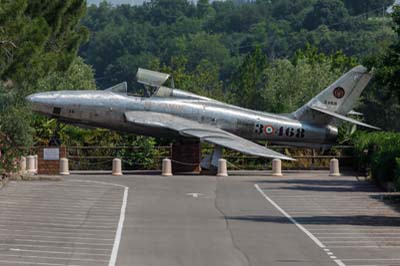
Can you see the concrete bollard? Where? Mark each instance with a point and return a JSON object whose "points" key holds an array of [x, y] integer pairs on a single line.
{"points": [[31, 164], [116, 167], [22, 165], [64, 168], [36, 163], [334, 167], [276, 167], [166, 167], [222, 168]]}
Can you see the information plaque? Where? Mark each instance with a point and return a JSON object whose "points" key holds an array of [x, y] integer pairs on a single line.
{"points": [[51, 154]]}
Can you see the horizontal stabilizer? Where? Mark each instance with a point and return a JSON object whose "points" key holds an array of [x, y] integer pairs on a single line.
{"points": [[205, 133], [341, 117], [352, 112], [151, 78]]}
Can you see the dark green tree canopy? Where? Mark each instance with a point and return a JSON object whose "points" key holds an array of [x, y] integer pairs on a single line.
{"points": [[37, 37], [39, 41], [326, 12]]}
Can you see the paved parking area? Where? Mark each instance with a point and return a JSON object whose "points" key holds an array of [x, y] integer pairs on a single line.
{"points": [[351, 221], [60, 223], [246, 219]]}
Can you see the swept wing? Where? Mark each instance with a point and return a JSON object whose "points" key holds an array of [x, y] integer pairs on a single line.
{"points": [[205, 133]]}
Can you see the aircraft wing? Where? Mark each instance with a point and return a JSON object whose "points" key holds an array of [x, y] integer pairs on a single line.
{"points": [[342, 117], [205, 133]]}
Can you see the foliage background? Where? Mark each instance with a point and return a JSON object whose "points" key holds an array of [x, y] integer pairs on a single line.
{"points": [[269, 55]]}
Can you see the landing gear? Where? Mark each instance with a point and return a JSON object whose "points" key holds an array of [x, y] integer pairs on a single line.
{"points": [[210, 162]]}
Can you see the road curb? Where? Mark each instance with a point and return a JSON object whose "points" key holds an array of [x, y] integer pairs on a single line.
{"points": [[28, 177]]}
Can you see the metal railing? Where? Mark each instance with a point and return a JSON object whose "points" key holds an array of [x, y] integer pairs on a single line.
{"points": [[100, 157], [139, 158]]}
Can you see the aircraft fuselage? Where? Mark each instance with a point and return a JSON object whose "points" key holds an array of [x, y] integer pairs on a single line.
{"points": [[106, 109]]}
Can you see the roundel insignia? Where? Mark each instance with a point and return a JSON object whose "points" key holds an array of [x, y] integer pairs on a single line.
{"points": [[269, 130], [339, 92]]}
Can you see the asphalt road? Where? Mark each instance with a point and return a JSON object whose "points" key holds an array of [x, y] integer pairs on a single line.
{"points": [[302, 219]]}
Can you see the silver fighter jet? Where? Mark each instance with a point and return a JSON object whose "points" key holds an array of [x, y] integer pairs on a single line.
{"points": [[176, 113]]}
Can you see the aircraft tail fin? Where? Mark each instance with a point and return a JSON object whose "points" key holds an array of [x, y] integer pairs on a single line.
{"points": [[339, 98]]}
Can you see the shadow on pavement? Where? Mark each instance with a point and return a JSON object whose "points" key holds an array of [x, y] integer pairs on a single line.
{"points": [[360, 220], [323, 185]]}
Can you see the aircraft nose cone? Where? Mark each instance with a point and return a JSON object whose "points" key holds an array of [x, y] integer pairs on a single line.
{"points": [[42, 98], [41, 102], [31, 98]]}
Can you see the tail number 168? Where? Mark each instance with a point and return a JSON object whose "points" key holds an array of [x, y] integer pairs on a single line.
{"points": [[281, 131]]}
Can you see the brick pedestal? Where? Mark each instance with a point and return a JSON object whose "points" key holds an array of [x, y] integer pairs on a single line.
{"points": [[186, 157], [50, 166]]}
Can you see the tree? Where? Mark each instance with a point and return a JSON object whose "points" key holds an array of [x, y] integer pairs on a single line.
{"points": [[384, 98], [37, 38], [326, 12], [250, 80], [15, 130], [367, 7]]}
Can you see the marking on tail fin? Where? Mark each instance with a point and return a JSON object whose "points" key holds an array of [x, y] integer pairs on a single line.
{"points": [[339, 92], [339, 97]]}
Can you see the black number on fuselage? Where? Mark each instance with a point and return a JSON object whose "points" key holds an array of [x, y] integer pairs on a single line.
{"points": [[289, 132], [280, 132], [300, 133], [259, 129]]}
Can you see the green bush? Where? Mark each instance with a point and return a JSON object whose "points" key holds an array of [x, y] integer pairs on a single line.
{"points": [[379, 154], [397, 172]]}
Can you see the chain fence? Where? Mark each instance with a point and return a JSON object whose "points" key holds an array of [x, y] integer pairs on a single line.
{"points": [[139, 158]]}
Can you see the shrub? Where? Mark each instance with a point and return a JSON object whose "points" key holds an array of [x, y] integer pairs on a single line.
{"points": [[379, 153]]}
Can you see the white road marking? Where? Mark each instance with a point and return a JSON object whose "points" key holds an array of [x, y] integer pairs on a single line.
{"points": [[35, 263], [46, 246], [58, 224], [361, 241], [358, 233], [378, 247], [59, 217], [302, 228], [67, 237], [359, 237], [51, 258], [73, 229], [117, 240], [375, 264], [58, 252], [59, 242], [339, 262], [194, 195], [355, 229], [371, 259], [51, 233]]}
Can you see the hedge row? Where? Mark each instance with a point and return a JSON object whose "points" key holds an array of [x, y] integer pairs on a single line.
{"points": [[378, 154]]}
